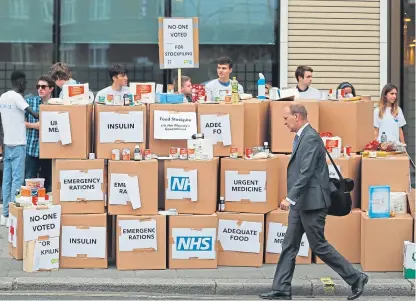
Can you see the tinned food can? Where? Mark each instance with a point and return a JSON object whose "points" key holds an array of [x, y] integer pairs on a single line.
{"points": [[191, 154], [115, 154], [126, 154], [248, 153], [347, 151], [234, 152], [174, 153], [147, 154], [183, 154]]}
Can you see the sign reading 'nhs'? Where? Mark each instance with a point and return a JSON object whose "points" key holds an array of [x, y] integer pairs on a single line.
{"points": [[194, 243], [180, 184]]}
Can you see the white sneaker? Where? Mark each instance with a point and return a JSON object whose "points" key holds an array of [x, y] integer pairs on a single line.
{"points": [[8, 222], [3, 220]]}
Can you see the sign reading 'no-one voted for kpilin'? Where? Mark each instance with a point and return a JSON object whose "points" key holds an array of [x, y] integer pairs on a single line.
{"points": [[174, 125], [46, 254], [240, 237], [276, 234], [179, 40], [121, 127], [251, 186], [41, 222]]}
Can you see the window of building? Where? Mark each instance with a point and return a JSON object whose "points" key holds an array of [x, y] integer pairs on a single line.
{"points": [[67, 52], [99, 10], [98, 55], [21, 53], [68, 12], [47, 11], [18, 9]]}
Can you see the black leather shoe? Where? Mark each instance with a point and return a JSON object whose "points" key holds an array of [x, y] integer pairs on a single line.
{"points": [[358, 287], [276, 295]]}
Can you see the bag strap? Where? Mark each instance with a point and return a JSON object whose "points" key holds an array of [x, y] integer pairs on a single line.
{"points": [[335, 166]]}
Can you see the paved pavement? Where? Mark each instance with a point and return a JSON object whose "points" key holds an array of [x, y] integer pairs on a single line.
{"points": [[224, 281]]}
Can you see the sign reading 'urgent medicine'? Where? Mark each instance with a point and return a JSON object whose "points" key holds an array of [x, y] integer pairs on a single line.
{"points": [[179, 44], [251, 186]]}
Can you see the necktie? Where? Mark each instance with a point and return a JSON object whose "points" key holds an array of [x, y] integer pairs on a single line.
{"points": [[295, 143]]}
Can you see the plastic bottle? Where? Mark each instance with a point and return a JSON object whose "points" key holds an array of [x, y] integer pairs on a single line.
{"points": [[235, 98], [383, 137], [261, 87], [266, 147], [221, 205], [137, 153]]}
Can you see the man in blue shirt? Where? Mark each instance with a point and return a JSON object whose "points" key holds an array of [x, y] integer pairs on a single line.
{"points": [[36, 167]]}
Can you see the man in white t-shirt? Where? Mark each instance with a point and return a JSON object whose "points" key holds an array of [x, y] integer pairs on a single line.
{"points": [[118, 74], [223, 82], [12, 109], [303, 76]]}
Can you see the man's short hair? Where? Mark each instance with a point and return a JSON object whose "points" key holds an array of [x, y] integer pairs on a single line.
{"points": [[300, 71], [117, 69], [296, 108], [48, 79], [225, 60], [184, 79], [17, 76], [60, 70]]}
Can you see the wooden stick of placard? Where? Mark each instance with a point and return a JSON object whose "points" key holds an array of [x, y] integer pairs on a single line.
{"points": [[179, 80]]}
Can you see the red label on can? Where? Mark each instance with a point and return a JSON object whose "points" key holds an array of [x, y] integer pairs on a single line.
{"points": [[249, 153], [347, 150], [173, 151]]}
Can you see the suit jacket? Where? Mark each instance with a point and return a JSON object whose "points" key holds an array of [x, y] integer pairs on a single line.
{"points": [[307, 173]]}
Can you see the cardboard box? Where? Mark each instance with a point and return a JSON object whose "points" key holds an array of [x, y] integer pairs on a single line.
{"points": [[412, 204], [84, 241], [256, 122], [344, 234], [192, 241], [276, 225], [350, 120], [141, 242], [147, 181], [211, 123], [240, 239], [119, 124], [349, 168], [252, 184], [161, 146], [384, 253], [79, 186], [282, 183], [80, 121], [15, 232], [178, 193], [392, 171], [281, 137]]}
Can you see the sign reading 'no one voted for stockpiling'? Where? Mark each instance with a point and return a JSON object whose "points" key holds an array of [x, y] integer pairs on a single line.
{"points": [[178, 43]]}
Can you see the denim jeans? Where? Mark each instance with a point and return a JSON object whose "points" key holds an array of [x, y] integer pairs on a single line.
{"points": [[13, 173]]}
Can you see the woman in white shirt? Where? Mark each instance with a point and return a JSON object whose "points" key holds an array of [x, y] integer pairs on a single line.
{"points": [[388, 116]]}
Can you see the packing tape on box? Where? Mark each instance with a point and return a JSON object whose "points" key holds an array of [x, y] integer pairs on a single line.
{"points": [[146, 250]]}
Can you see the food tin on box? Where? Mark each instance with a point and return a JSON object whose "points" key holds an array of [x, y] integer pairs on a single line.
{"points": [[191, 154], [347, 151], [171, 89], [234, 152], [115, 154], [174, 153], [183, 154], [228, 98], [248, 153], [147, 154], [126, 154]]}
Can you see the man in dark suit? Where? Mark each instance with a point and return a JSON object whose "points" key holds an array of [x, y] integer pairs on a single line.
{"points": [[309, 200]]}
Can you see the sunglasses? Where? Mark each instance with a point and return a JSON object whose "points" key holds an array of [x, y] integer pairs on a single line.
{"points": [[43, 87]]}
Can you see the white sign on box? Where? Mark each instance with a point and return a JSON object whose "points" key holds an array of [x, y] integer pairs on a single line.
{"points": [[398, 202], [182, 184], [240, 237], [174, 125], [204, 149], [81, 185], [191, 243], [178, 43], [277, 232], [217, 128], [136, 235], [251, 186], [143, 92], [77, 94], [91, 242], [46, 254], [12, 235], [123, 189], [56, 127], [121, 127], [333, 172], [41, 222], [333, 145]]}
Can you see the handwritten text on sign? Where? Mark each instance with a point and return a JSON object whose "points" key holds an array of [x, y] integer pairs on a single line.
{"points": [[91, 242], [46, 254], [56, 127], [217, 128], [174, 125], [178, 43], [136, 234], [81, 185], [121, 127], [250, 186], [240, 238], [44, 222], [277, 232]]}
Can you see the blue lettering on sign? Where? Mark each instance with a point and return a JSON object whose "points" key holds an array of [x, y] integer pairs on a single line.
{"points": [[194, 243], [180, 184]]}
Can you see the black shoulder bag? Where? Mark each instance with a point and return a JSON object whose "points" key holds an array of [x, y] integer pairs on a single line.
{"points": [[339, 189]]}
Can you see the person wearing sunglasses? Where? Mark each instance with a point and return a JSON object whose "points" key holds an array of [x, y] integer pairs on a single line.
{"points": [[36, 167], [13, 108]]}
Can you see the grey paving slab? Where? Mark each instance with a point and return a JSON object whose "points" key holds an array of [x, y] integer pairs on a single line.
{"points": [[239, 273], [21, 273], [156, 274], [198, 273], [6, 283]]}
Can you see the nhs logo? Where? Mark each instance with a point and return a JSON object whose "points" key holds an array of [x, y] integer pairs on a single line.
{"points": [[194, 243], [180, 184]]}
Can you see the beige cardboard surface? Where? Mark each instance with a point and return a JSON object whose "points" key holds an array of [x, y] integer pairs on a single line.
{"points": [[256, 122], [392, 171], [344, 234], [241, 259], [161, 147], [83, 220], [16, 252], [103, 150], [207, 186], [147, 173], [271, 166], [350, 120], [281, 137], [236, 113], [382, 242], [283, 163], [80, 119], [143, 259], [193, 222], [280, 216], [82, 206]]}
